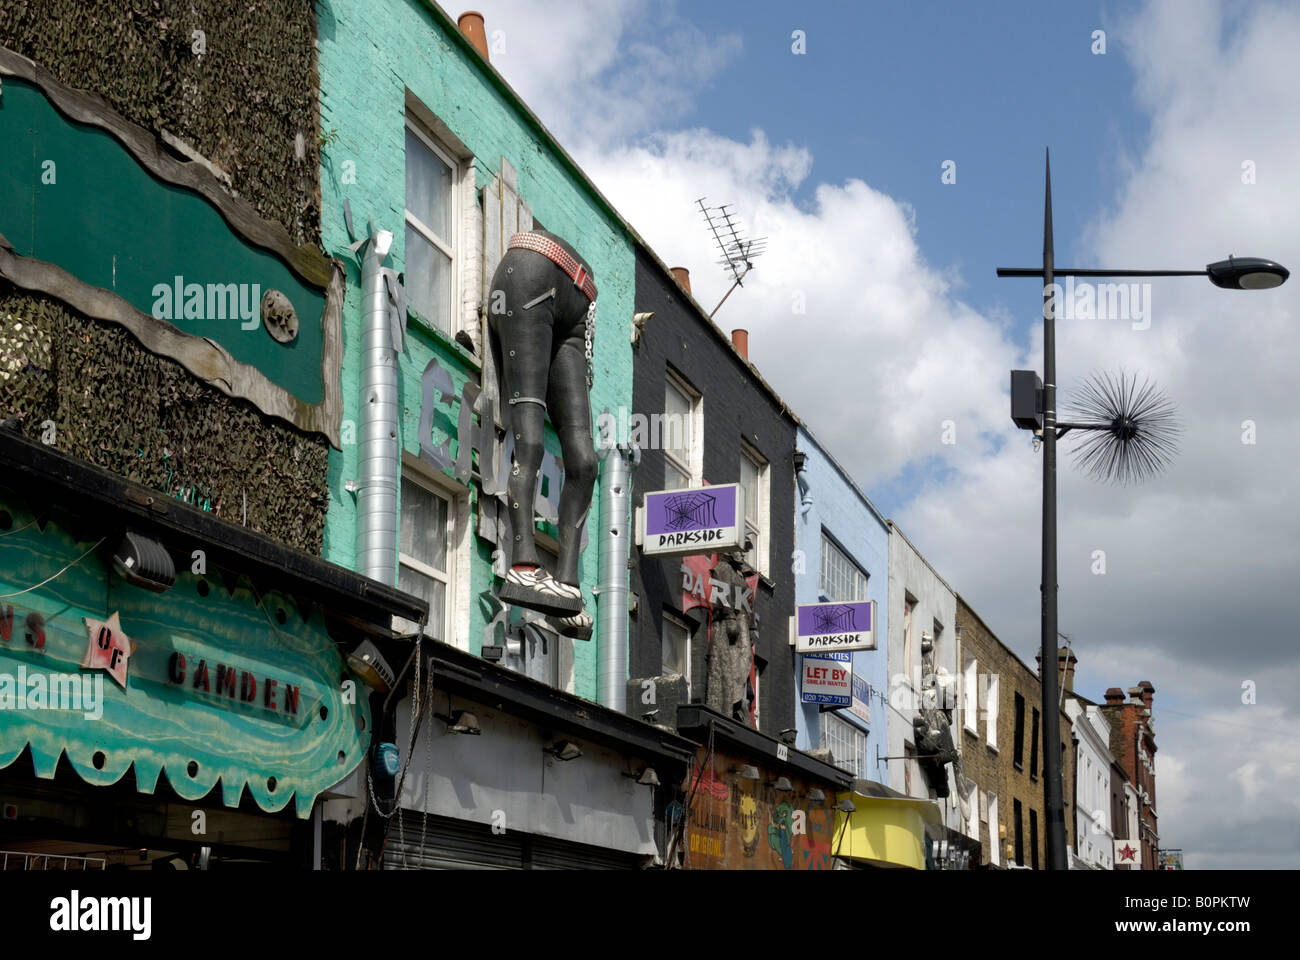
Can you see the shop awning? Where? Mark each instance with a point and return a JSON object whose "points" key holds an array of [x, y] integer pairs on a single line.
{"points": [[886, 828]]}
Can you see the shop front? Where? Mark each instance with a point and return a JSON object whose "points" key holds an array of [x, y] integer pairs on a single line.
{"points": [[173, 687], [506, 772], [880, 827], [752, 802]]}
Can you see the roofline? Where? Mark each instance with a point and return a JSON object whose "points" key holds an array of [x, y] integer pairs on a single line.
{"points": [[895, 527], [1015, 656], [497, 80], [846, 475]]}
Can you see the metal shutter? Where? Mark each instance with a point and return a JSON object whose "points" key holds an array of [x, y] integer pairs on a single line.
{"points": [[451, 844]]}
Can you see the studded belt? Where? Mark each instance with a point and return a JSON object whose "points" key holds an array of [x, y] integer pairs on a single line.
{"points": [[572, 268]]}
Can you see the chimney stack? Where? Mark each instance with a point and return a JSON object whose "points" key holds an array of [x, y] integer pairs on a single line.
{"points": [[1067, 661], [471, 24], [740, 337], [683, 277], [1114, 696], [1148, 692]]}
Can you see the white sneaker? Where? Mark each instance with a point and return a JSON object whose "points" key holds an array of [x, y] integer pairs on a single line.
{"points": [[577, 627], [536, 589]]}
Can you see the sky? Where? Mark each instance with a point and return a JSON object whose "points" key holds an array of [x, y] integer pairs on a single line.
{"points": [[877, 315]]}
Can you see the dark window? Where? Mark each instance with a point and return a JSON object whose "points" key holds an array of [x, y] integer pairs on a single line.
{"points": [[1033, 747], [1033, 838], [1020, 834], [1020, 732]]}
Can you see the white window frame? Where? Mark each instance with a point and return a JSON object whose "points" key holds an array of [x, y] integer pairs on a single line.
{"points": [[761, 530], [683, 624], [991, 712], [995, 830], [446, 631], [834, 730], [833, 555], [448, 247], [909, 629], [970, 696], [694, 470]]}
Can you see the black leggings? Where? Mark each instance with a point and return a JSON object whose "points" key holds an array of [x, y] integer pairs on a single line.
{"points": [[542, 350]]}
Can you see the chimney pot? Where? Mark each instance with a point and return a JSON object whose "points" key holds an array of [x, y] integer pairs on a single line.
{"points": [[740, 338], [471, 24], [683, 277], [1114, 695]]}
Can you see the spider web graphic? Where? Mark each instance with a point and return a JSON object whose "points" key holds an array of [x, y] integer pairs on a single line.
{"points": [[839, 619], [691, 510]]}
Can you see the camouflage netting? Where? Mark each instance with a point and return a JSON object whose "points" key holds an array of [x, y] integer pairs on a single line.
{"points": [[145, 418], [247, 103]]}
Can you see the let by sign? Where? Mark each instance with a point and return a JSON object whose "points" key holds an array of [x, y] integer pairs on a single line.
{"points": [[835, 626], [676, 523], [828, 679]]}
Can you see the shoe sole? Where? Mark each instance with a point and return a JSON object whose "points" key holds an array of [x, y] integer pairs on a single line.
{"points": [[521, 596], [570, 631]]}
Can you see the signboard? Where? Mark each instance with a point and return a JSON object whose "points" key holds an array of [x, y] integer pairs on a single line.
{"points": [[828, 679], [109, 223], [677, 523], [861, 705], [1128, 852], [835, 626]]}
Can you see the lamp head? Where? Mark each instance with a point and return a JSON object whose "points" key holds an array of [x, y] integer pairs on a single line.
{"points": [[1247, 273]]}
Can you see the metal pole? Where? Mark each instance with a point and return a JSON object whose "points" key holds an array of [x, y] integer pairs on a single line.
{"points": [[1053, 792]]}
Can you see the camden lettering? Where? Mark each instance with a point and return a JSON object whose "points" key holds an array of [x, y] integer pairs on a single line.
{"points": [[240, 686]]}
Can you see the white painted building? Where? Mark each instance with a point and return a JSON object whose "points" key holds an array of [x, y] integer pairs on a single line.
{"points": [[1095, 835], [921, 605]]}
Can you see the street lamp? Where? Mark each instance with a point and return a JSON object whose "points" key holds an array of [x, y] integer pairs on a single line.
{"points": [[1121, 431]]}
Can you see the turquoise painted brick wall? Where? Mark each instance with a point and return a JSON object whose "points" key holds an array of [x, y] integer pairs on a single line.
{"points": [[370, 53]]}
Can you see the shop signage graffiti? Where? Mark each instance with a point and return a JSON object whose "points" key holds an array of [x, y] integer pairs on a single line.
{"points": [[701, 589], [220, 682]]}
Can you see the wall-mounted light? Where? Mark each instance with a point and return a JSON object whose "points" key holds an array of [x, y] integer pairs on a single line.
{"points": [[747, 772], [564, 750], [369, 664], [845, 806], [144, 562], [817, 795], [788, 736], [783, 784], [646, 776], [461, 721]]}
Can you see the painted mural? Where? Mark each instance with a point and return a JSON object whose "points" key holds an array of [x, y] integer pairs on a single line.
{"points": [[734, 822]]}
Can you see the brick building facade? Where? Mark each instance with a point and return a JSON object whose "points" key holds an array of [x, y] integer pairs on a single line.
{"points": [[1133, 744], [1002, 736]]}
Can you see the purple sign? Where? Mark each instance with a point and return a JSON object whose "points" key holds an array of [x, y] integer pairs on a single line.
{"points": [[694, 520], [835, 626]]}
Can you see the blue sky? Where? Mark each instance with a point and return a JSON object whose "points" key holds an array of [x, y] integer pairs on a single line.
{"points": [[877, 315]]}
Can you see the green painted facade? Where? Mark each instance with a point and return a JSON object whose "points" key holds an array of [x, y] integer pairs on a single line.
{"points": [[371, 52]]}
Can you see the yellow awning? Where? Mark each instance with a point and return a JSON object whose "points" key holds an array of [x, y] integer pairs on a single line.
{"points": [[887, 831]]}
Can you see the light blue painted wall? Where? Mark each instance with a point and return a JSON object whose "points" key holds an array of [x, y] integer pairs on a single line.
{"points": [[370, 53], [839, 507]]}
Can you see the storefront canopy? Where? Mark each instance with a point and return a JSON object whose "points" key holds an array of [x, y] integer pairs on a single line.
{"points": [[886, 828]]}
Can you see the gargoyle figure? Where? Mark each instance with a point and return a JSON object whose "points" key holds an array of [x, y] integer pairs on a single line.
{"points": [[541, 311], [731, 645], [932, 726]]}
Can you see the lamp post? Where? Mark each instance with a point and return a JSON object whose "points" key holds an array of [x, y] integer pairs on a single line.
{"points": [[1249, 273]]}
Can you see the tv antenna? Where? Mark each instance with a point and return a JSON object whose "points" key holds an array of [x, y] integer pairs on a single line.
{"points": [[738, 251]]}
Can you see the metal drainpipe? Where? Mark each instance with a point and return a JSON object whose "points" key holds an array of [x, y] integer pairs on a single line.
{"points": [[379, 463], [612, 592]]}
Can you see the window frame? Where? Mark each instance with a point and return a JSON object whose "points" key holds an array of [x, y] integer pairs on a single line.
{"points": [[764, 514], [970, 696], [672, 617], [447, 577], [1033, 744], [909, 629], [1018, 752], [850, 734], [694, 471], [449, 247], [995, 832], [991, 712], [832, 549]]}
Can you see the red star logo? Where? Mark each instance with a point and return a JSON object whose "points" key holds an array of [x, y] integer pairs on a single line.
{"points": [[1127, 853]]}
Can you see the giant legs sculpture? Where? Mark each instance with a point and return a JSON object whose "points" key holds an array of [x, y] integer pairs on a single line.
{"points": [[541, 313]]}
